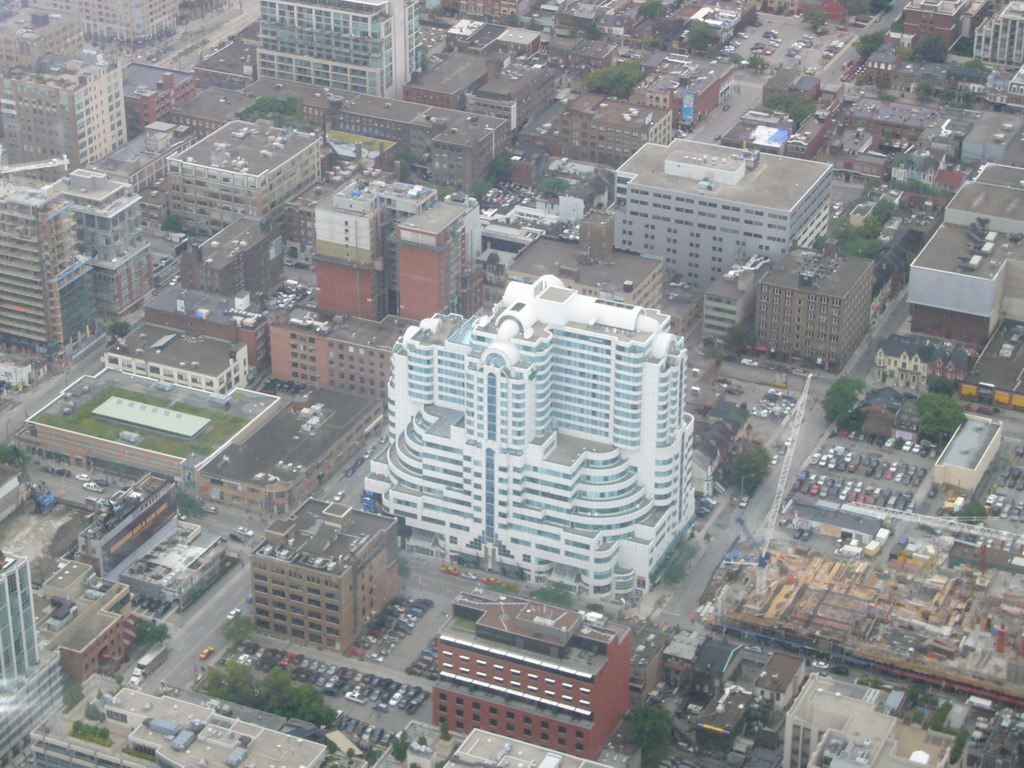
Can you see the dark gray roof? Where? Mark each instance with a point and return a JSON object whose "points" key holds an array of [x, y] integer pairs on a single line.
{"points": [[714, 655], [929, 351]]}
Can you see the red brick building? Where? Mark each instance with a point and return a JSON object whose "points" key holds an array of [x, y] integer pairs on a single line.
{"points": [[150, 93], [546, 675], [949, 19], [438, 261]]}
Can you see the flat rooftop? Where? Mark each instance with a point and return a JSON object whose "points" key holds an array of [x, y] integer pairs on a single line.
{"points": [[453, 75], [515, 80], [211, 307], [138, 75], [143, 150], [86, 393], [381, 334], [896, 113], [808, 270], [991, 194], [997, 370], [22, 22], [285, 445], [152, 722], [951, 249], [547, 256], [321, 535], [171, 347], [484, 748], [260, 148], [173, 559], [776, 182], [236, 238], [607, 111], [135, 414], [231, 59], [434, 219]]}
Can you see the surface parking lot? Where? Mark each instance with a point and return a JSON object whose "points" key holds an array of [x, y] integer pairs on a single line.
{"points": [[859, 468]]}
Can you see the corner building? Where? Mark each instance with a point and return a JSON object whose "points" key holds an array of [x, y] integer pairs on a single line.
{"points": [[516, 667], [546, 440]]}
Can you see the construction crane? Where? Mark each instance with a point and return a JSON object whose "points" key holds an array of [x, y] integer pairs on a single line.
{"points": [[7, 170], [781, 486], [952, 524]]}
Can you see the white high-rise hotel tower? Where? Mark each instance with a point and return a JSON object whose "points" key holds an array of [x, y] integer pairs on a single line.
{"points": [[549, 436]]}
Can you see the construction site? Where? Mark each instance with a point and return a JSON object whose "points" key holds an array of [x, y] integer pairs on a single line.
{"points": [[955, 627]]}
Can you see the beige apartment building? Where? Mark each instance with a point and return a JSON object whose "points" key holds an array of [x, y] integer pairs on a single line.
{"points": [[31, 32], [241, 169], [134, 21], [65, 106]]}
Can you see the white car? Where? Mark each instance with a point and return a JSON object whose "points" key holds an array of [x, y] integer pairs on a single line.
{"points": [[247, 532], [820, 664], [83, 477], [93, 487], [234, 612]]}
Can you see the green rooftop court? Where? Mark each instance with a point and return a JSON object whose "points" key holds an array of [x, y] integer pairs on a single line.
{"points": [[178, 421]]}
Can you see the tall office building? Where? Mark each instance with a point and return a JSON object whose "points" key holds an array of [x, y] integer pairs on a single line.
{"points": [[366, 46], [47, 301], [30, 678], [546, 440], [999, 40], [65, 106], [702, 207]]}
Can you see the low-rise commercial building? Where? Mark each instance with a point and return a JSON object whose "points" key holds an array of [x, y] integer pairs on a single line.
{"points": [[350, 354], [145, 729], [246, 257], [550, 676], [815, 308], [968, 455], [150, 93], [340, 568], [147, 426], [241, 169], [689, 88], [84, 619], [180, 567], [232, 67], [600, 130], [200, 314], [164, 354], [518, 94], [446, 83], [274, 468]]}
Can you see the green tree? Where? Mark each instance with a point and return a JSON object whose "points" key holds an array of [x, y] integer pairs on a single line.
{"points": [[555, 593], [650, 729], [939, 415], [149, 632], [739, 338], [678, 563], [858, 7], [117, 328], [92, 712], [591, 31], [939, 386], [618, 81], [869, 43], [652, 9], [238, 629], [500, 168], [748, 468], [757, 62], [72, 695], [700, 37], [189, 505], [511, 20], [815, 17], [11, 455], [400, 747], [172, 223], [930, 48], [736, 58], [479, 188], [553, 186], [798, 107], [841, 397], [973, 509]]}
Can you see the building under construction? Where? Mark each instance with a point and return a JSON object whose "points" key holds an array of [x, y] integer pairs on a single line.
{"points": [[955, 627]]}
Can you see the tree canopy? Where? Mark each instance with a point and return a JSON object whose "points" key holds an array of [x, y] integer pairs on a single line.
{"points": [[618, 81], [930, 48], [869, 43], [189, 505], [940, 415], [652, 9], [650, 729], [841, 397], [700, 37], [116, 328], [757, 62], [11, 455], [748, 468], [940, 386], [238, 629], [815, 17], [150, 632], [553, 185], [739, 338], [797, 106], [275, 693]]}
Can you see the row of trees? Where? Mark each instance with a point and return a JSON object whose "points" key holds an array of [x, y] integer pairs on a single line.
{"points": [[939, 414], [275, 693]]}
